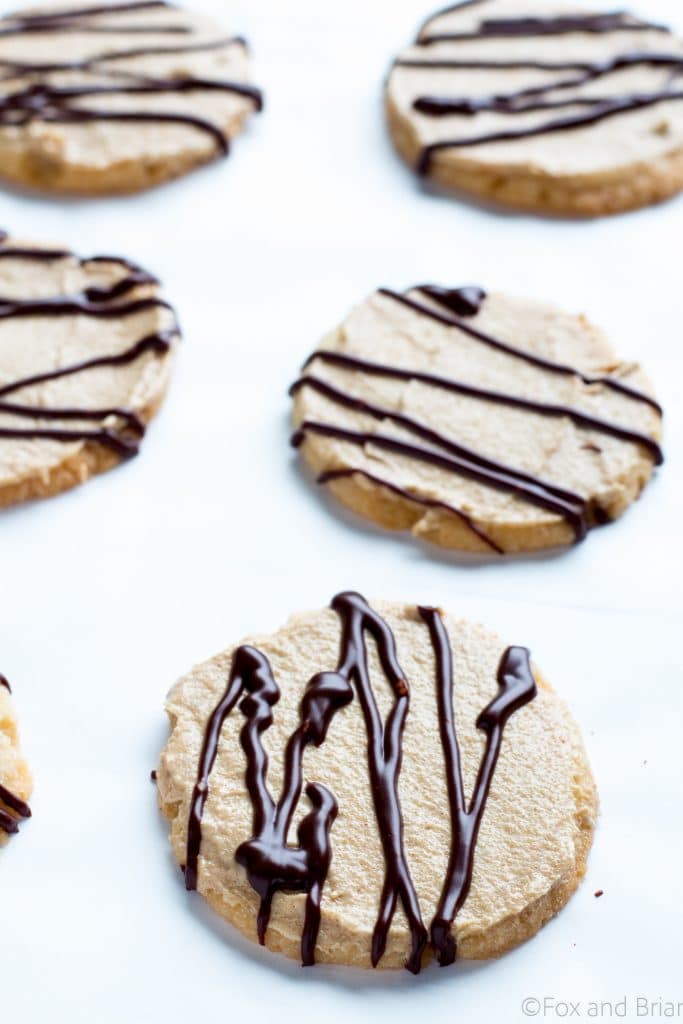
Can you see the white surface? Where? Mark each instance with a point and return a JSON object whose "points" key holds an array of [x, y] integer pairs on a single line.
{"points": [[110, 592]]}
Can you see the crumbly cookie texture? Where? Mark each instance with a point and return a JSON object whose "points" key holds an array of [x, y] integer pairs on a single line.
{"points": [[509, 72], [537, 825], [14, 773], [76, 335], [435, 486], [117, 97]]}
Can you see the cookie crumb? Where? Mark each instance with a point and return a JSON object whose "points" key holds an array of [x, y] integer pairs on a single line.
{"points": [[598, 893]]}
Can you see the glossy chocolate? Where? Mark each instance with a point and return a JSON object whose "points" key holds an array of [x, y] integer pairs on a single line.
{"points": [[272, 865]]}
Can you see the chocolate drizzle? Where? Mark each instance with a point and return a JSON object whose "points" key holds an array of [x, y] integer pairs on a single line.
{"points": [[444, 452], [528, 28], [271, 864], [516, 688], [339, 474], [41, 100], [120, 430], [12, 808], [592, 109]]}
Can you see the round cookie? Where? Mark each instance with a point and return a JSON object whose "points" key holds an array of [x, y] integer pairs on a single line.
{"points": [[15, 778], [542, 105], [479, 422], [86, 347], [117, 97], [449, 805]]}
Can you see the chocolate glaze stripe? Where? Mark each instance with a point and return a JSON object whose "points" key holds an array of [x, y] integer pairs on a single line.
{"points": [[590, 71], [339, 474], [529, 28], [437, 295], [536, 495], [608, 109], [18, 809], [77, 305], [125, 445], [505, 103], [463, 461], [516, 688], [4, 681], [15, 253], [384, 752], [554, 411], [14, 803], [20, 67], [159, 342], [80, 12]]}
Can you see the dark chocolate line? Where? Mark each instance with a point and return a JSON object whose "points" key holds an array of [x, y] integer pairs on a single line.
{"points": [[512, 350], [516, 688], [77, 305], [4, 681], [384, 758], [17, 808], [529, 28], [506, 102], [536, 494], [461, 302], [159, 342], [90, 64], [339, 474], [607, 110], [14, 803], [16, 253], [548, 409], [123, 448]]}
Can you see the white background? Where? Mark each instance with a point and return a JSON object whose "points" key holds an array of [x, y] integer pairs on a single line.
{"points": [[110, 592]]}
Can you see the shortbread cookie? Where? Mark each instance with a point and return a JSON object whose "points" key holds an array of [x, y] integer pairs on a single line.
{"points": [[372, 785], [117, 97], [15, 778], [85, 354], [480, 422], [542, 105]]}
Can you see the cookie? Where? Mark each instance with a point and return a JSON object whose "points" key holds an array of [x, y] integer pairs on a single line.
{"points": [[15, 778], [374, 785], [117, 97], [86, 347], [542, 106], [480, 422]]}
